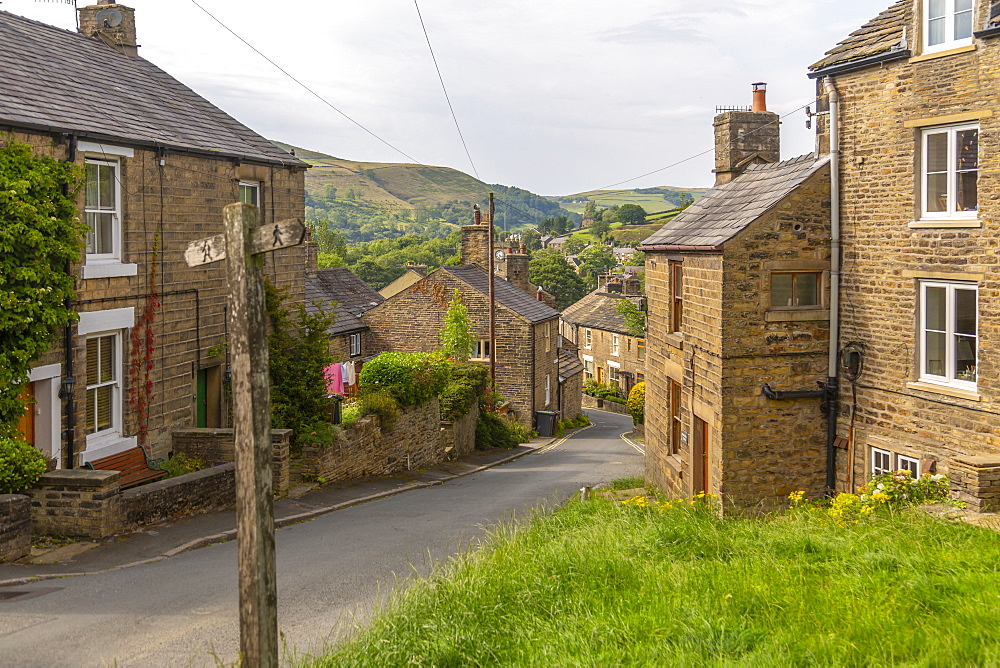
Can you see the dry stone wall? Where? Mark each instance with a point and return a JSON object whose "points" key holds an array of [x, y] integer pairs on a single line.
{"points": [[15, 527]]}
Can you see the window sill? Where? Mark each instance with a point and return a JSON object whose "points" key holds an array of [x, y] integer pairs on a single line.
{"points": [[105, 445], [951, 223], [675, 339], [109, 270], [943, 53], [802, 315], [956, 392]]}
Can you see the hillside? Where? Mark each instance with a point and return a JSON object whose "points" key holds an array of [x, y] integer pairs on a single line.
{"points": [[661, 198], [364, 201]]}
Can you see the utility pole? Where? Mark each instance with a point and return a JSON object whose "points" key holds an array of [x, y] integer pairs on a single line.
{"points": [[493, 336]]}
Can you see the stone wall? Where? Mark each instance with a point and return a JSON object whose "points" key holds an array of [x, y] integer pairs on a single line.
{"points": [[168, 201], [572, 396], [15, 527], [77, 502], [217, 446], [604, 405], [976, 480], [460, 435], [369, 450], [889, 248], [209, 489]]}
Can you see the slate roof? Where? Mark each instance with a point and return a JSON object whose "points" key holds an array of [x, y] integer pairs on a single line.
{"points": [[724, 211], [569, 364], [351, 295], [882, 34], [598, 310], [507, 294], [56, 80]]}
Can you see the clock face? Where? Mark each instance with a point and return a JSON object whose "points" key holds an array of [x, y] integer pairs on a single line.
{"points": [[499, 254]]}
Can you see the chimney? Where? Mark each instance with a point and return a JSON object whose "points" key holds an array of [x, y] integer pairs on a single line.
{"points": [[111, 23], [516, 270], [744, 137], [476, 242]]}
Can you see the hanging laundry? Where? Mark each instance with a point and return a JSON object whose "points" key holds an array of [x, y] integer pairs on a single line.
{"points": [[349, 375], [334, 379]]}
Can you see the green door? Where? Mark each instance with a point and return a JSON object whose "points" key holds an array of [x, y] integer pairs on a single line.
{"points": [[201, 399]]}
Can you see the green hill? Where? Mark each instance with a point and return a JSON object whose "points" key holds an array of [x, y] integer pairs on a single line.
{"points": [[364, 201], [661, 198]]}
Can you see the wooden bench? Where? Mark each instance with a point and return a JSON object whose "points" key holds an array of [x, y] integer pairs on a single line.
{"points": [[133, 467]]}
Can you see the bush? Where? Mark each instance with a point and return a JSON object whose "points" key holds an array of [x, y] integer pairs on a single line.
{"points": [[349, 414], [603, 391], [466, 384], [181, 464], [409, 377], [382, 404], [492, 431], [320, 434], [637, 403], [21, 465]]}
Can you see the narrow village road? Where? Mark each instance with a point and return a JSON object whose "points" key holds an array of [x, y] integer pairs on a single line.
{"points": [[331, 570]]}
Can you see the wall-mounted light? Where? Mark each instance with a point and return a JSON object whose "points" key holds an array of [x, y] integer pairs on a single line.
{"points": [[66, 387]]}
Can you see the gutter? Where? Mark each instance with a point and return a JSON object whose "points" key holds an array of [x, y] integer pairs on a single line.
{"points": [[835, 248], [793, 394], [674, 247], [861, 63]]}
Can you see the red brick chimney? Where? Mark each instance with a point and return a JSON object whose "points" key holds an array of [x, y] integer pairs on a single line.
{"points": [[111, 23]]}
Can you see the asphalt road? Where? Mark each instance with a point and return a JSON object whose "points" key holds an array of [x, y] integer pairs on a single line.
{"points": [[332, 571]]}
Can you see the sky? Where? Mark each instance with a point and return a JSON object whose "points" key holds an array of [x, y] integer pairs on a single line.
{"points": [[554, 96]]}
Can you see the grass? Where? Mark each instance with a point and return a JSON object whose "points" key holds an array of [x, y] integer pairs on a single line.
{"points": [[599, 584]]}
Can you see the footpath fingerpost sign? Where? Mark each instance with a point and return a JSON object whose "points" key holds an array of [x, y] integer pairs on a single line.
{"points": [[243, 246]]}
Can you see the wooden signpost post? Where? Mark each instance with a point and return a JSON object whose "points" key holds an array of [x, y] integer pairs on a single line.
{"points": [[242, 246]]}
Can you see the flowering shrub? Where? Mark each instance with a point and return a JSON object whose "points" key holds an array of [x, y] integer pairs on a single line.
{"points": [[700, 501], [637, 402], [883, 493]]}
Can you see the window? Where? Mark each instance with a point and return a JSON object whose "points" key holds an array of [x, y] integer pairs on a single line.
{"points": [[481, 351], [950, 172], [640, 377], [548, 336], [640, 350], [881, 462], [588, 338], [675, 418], [947, 24], [677, 295], [615, 344], [614, 376], [795, 289], [355, 345], [103, 384], [250, 192], [102, 209], [588, 368], [884, 462], [548, 389], [948, 333]]}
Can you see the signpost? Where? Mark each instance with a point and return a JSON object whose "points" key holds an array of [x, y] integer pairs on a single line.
{"points": [[242, 246]]}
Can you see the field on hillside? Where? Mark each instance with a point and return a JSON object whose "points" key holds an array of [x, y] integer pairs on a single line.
{"points": [[665, 198], [599, 583]]}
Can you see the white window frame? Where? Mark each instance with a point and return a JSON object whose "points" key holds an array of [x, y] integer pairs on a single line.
{"points": [[950, 211], [548, 389], [588, 338], [115, 210], [355, 343], [911, 464], [881, 462], [108, 265], [250, 185], [114, 432], [588, 366], [615, 345], [948, 18], [949, 378], [481, 346]]}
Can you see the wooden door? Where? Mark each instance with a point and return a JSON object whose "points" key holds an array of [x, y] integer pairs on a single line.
{"points": [[700, 458], [26, 425]]}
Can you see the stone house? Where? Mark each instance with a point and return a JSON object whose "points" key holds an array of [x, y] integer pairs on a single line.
{"points": [[527, 328], [913, 94], [735, 287], [414, 272], [607, 349], [160, 163]]}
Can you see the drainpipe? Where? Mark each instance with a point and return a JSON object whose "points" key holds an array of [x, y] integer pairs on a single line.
{"points": [[831, 385], [67, 391], [793, 394]]}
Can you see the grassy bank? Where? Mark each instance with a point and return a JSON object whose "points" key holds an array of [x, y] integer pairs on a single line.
{"points": [[599, 584]]}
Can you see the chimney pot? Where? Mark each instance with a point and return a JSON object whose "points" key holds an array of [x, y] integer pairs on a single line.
{"points": [[477, 215], [759, 96], [524, 249]]}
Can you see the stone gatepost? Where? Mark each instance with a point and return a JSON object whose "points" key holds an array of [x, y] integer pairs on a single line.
{"points": [[77, 502]]}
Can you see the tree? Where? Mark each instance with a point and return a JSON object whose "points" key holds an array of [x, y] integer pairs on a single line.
{"points": [[553, 273], [456, 337], [590, 209], [597, 260], [631, 214], [635, 319], [638, 259], [610, 215], [531, 239], [684, 201], [39, 236], [600, 228], [574, 245]]}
